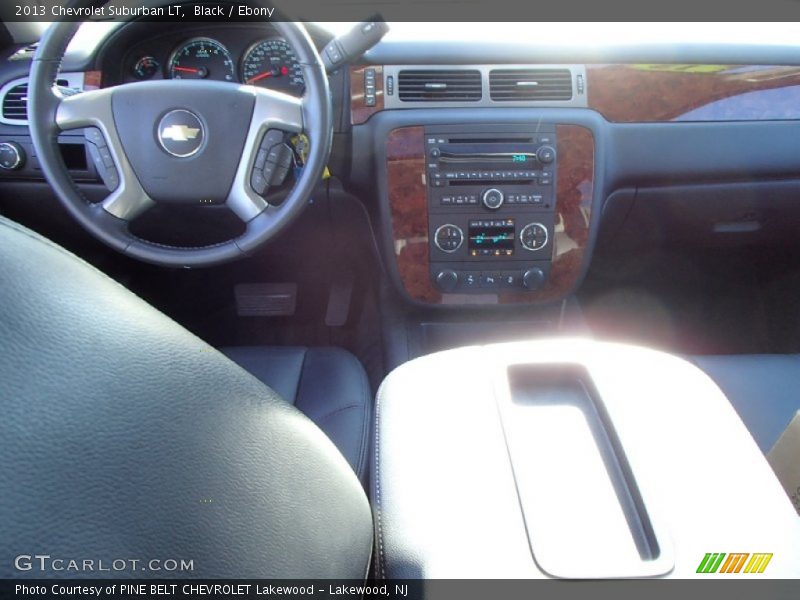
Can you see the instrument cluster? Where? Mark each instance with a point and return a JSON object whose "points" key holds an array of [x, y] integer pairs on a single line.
{"points": [[266, 62]]}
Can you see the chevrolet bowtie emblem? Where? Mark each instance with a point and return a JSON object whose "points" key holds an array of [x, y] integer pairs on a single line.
{"points": [[179, 133]]}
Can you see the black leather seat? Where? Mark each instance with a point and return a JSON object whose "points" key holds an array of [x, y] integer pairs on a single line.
{"points": [[125, 436], [763, 388], [328, 385]]}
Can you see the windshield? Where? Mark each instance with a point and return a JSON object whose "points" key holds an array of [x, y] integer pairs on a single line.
{"points": [[589, 34]]}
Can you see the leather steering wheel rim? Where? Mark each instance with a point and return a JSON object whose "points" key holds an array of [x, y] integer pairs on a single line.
{"points": [[51, 113]]}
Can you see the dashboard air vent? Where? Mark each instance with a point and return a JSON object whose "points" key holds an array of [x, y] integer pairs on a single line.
{"points": [[15, 103], [25, 52], [507, 85], [438, 85]]}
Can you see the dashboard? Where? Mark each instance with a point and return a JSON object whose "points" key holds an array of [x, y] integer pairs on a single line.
{"points": [[620, 126]]}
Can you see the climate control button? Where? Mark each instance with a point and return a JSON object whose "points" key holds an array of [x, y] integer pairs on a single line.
{"points": [[447, 280], [493, 198], [533, 279], [533, 236], [448, 238]]}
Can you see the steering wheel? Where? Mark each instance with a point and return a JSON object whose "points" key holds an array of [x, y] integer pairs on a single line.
{"points": [[184, 142]]}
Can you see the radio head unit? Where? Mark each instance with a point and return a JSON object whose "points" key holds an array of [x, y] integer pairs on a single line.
{"points": [[491, 206]]}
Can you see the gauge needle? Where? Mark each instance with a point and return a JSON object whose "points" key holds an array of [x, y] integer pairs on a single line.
{"points": [[187, 69], [260, 77], [265, 74]]}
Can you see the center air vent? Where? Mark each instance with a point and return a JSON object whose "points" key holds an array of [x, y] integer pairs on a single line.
{"points": [[507, 85], [455, 85]]}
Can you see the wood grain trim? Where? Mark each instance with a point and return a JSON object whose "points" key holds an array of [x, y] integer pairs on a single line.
{"points": [[408, 201], [405, 164], [92, 80], [654, 93], [359, 111]]}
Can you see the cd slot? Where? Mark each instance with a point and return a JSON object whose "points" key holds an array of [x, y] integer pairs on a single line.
{"points": [[468, 182], [486, 157], [494, 140]]}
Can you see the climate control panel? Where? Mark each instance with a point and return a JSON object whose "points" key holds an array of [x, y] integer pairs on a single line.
{"points": [[491, 207]]}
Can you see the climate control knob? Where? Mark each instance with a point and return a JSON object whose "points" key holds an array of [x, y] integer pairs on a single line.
{"points": [[447, 280], [448, 238], [493, 198], [533, 278], [533, 236]]}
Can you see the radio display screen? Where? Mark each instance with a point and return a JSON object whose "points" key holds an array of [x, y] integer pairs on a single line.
{"points": [[492, 237]]}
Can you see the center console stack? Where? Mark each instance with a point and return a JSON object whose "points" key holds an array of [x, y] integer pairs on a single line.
{"points": [[491, 206], [490, 213]]}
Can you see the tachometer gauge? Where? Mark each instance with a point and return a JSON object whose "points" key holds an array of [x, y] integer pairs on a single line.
{"points": [[145, 67], [273, 64], [201, 58]]}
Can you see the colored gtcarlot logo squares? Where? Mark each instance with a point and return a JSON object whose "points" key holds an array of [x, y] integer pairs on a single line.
{"points": [[739, 562]]}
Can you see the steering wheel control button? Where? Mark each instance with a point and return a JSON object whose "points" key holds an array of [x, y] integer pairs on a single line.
{"points": [[493, 198], [447, 280], [181, 133], [101, 157], [111, 178], [533, 279], [448, 238], [546, 155], [261, 158], [105, 156], [12, 156], [94, 136], [272, 163], [273, 137], [259, 183], [533, 236], [108, 173]]}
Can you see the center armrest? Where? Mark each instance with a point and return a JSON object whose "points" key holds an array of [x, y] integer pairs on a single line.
{"points": [[568, 459]]}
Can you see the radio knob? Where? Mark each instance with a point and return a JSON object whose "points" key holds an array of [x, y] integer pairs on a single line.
{"points": [[12, 156], [533, 278], [546, 155], [447, 280], [493, 198]]}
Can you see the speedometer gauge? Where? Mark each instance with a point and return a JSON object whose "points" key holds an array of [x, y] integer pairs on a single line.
{"points": [[201, 58], [273, 64]]}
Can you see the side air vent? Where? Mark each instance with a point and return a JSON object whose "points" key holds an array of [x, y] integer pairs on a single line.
{"points": [[24, 52], [509, 85], [437, 85], [15, 103]]}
